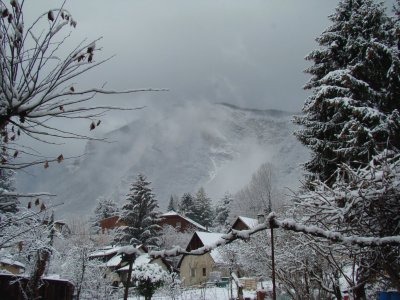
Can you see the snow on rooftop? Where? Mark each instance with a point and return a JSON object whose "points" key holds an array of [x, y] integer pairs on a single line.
{"points": [[11, 262], [173, 213], [170, 213], [209, 238], [140, 260], [105, 251], [249, 222], [114, 261], [129, 250], [217, 257]]}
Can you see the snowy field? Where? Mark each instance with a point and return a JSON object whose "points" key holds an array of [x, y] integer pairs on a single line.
{"points": [[211, 293]]}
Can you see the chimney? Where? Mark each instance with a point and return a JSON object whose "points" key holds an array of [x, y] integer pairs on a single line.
{"points": [[260, 218]]}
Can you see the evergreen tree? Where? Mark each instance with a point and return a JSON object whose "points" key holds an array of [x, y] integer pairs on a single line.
{"points": [[352, 113], [351, 124], [173, 204], [104, 209], [222, 210], [203, 213], [139, 215], [186, 207]]}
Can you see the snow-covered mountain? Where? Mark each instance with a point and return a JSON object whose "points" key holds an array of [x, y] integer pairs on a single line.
{"points": [[217, 146]]}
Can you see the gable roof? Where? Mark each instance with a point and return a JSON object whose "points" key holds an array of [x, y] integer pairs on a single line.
{"points": [[250, 222], [209, 238], [175, 214], [243, 223], [106, 251], [205, 239]]}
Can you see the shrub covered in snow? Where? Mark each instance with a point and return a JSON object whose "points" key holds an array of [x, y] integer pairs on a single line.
{"points": [[147, 278]]}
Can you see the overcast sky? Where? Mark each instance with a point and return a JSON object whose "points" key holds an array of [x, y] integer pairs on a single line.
{"points": [[245, 52]]}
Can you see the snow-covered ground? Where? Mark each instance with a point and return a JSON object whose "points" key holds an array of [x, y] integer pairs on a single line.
{"points": [[209, 293]]}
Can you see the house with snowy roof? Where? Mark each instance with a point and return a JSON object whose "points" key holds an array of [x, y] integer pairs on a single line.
{"points": [[196, 269], [244, 223], [12, 266], [8, 264], [179, 222]]}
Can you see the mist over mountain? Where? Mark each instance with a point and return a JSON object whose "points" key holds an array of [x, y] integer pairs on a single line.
{"points": [[179, 149]]}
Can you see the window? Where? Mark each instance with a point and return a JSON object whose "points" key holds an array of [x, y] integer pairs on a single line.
{"points": [[204, 272], [192, 272]]}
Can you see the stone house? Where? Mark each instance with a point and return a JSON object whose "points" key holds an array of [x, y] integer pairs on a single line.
{"points": [[196, 269]]}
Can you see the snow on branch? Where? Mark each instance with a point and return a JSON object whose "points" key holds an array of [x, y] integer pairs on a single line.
{"points": [[128, 250], [286, 224], [337, 237], [28, 195]]}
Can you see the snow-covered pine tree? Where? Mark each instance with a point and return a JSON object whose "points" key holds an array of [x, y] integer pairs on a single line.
{"points": [[352, 113], [203, 212], [139, 215], [352, 126], [104, 209], [186, 206], [172, 204], [222, 210]]}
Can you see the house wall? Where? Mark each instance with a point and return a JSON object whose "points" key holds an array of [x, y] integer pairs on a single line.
{"points": [[197, 264], [110, 223], [12, 269], [239, 225]]}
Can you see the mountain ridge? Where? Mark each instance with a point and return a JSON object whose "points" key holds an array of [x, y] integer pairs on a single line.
{"points": [[179, 150]]}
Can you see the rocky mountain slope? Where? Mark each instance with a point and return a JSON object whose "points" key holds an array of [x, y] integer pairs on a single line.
{"points": [[217, 146]]}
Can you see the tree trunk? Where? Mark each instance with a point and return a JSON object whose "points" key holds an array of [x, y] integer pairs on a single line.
{"points": [[128, 281], [32, 288], [240, 293], [336, 287], [83, 269], [337, 292], [359, 293]]}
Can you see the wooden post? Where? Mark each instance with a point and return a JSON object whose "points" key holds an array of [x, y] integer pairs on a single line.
{"points": [[130, 258], [271, 225], [231, 283]]}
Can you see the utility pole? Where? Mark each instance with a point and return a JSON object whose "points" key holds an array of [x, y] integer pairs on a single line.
{"points": [[271, 225], [130, 258]]}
